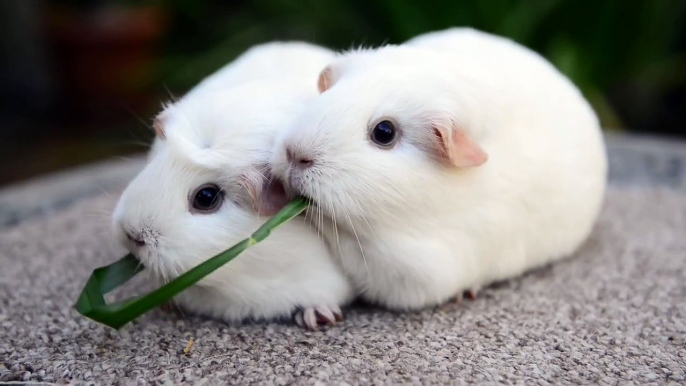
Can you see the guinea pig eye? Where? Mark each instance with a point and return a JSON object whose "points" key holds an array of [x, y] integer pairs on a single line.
{"points": [[384, 134], [206, 199]]}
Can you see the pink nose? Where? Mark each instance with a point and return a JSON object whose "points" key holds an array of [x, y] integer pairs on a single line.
{"points": [[298, 160]]}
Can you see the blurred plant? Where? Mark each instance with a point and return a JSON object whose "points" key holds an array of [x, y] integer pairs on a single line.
{"points": [[86, 4], [600, 45]]}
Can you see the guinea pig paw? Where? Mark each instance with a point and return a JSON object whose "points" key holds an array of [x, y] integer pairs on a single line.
{"points": [[337, 313], [472, 293], [454, 301], [313, 317], [457, 299]]}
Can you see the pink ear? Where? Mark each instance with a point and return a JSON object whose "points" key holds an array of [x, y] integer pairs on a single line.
{"points": [[272, 199], [267, 195], [325, 80], [456, 149], [158, 126]]}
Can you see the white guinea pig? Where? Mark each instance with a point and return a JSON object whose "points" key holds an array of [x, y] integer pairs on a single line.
{"points": [[202, 191], [445, 164]]}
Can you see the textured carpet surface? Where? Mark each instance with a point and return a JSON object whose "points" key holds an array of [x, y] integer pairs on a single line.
{"points": [[616, 311]]}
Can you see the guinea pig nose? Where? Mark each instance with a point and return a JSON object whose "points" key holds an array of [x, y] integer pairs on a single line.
{"points": [[298, 160], [138, 240]]}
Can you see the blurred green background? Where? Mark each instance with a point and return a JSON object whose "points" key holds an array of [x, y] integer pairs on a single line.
{"points": [[82, 79]]}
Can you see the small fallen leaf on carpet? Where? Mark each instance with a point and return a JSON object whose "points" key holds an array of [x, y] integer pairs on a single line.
{"points": [[189, 346]]}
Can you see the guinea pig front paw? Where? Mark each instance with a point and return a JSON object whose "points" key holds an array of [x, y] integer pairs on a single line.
{"points": [[471, 293], [313, 317]]}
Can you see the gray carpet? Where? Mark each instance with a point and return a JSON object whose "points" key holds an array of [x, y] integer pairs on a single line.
{"points": [[614, 312]]}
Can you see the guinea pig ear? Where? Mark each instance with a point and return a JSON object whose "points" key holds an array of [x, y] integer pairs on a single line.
{"points": [[326, 79], [455, 148], [158, 126], [267, 195], [272, 199]]}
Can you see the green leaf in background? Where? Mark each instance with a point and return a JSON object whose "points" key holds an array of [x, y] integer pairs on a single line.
{"points": [[91, 303]]}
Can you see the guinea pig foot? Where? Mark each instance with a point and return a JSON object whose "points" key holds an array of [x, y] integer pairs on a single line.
{"points": [[449, 304], [313, 317], [472, 293]]}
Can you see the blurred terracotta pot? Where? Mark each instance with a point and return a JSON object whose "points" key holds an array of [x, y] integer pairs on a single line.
{"points": [[104, 58]]}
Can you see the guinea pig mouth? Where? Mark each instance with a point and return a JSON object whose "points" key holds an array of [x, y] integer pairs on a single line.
{"points": [[292, 193], [289, 192]]}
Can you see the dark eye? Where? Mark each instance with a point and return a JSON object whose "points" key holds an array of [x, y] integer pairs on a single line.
{"points": [[384, 134], [206, 199]]}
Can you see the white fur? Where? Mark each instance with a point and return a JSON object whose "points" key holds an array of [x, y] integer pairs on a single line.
{"points": [[223, 132], [413, 232], [275, 60]]}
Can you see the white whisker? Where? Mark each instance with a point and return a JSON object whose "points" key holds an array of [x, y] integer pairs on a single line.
{"points": [[335, 230], [364, 258]]}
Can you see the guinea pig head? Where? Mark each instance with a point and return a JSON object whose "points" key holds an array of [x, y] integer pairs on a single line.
{"points": [[201, 190], [177, 213], [378, 141]]}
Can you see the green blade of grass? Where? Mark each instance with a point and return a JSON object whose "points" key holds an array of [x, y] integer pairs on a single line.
{"points": [[91, 303]]}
